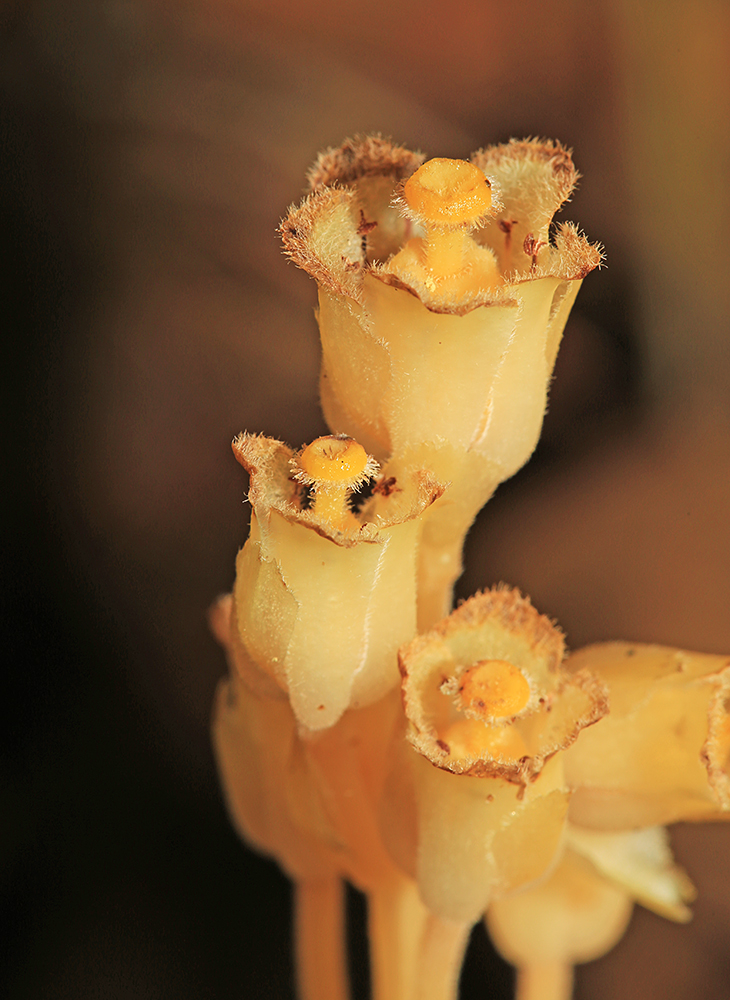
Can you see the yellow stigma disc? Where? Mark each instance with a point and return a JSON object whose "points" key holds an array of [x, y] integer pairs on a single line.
{"points": [[448, 192], [494, 689], [334, 460]]}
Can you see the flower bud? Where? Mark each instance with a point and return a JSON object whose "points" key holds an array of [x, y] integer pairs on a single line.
{"points": [[584, 906], [307, 799], [272, 803], [575, 915]]}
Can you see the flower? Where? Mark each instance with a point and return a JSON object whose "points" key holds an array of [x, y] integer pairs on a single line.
{"points": [[442, 302], [256, 741], [534, 755], [324, 596], [308, 799], [583, 908], [489, 704]]}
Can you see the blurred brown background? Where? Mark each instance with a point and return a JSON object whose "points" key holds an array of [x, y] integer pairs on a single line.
{"points": [[149, 149]]}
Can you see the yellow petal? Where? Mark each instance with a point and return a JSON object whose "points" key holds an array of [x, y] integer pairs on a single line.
{"points": [[641, 862], [661, 755]]}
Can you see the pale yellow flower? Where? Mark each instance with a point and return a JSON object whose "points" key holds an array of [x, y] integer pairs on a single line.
{"points": [[581, 910], [620, 739], [439, 337], [323, 596], [489, 704]]}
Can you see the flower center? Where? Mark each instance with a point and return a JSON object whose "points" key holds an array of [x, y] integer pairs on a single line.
{"points": [[493, 689], [334, 467], [334, 460], [448, 192], [447, 198]]}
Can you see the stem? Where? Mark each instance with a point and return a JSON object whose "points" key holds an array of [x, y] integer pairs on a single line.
{"points": [[396, 918], [440, 959], [549, 981], [319, 935]]}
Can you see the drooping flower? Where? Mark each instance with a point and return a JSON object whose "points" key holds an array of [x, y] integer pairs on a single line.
{"points": [[660, 755], [256, 742], [308, 799], [583, 908]]}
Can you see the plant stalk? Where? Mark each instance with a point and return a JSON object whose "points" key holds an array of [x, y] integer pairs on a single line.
{"points": [[320, 940]]}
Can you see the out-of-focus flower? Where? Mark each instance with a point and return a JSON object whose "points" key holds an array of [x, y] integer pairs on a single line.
{"points": [[574, 915], [583, 908], [442, 302], [663, 753], [324, 596], [489, 704], [310, 800], [256, 742], [660, 755]]}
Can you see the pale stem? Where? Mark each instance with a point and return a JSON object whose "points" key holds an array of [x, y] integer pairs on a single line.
{"points": [[440, 959], [396, 920], [549, 981], [319, 935]]}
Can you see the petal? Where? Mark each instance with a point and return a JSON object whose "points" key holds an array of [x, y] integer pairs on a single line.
{"points": [[661, 754], [641, 862], [482, 837], [254, 739]]}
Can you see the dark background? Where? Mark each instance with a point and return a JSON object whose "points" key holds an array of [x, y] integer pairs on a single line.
{"points": [[149, 150]]}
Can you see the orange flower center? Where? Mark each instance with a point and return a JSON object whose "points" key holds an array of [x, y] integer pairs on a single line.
{"points": [[494, 689]]}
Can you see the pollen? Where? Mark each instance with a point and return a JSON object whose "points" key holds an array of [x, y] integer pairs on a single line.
{"points": [[493, 689]]}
